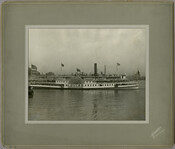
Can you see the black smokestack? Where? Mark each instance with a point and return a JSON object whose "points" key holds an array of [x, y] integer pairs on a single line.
{"points": [[95, 69]]}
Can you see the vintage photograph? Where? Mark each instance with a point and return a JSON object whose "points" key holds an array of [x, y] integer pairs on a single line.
{"points": [[87, 74]]}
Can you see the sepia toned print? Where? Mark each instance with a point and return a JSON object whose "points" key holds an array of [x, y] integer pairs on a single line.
{"points": [[87, 74]]}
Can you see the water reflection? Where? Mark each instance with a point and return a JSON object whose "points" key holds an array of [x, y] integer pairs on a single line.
{"points": [[95, 109]]}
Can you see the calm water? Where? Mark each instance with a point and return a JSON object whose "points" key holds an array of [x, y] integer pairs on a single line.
{"points": [[52, 104]]}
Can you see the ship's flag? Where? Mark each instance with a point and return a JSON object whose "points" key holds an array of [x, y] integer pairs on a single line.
{"points": [[33, 67], [118, 64], [78, 70], [62, 65]]}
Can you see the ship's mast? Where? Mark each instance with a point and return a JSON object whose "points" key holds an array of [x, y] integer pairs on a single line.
{"points": [[105, 70]]}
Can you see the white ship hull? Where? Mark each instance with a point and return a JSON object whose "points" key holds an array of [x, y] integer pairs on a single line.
{"points": [[95, 86]]}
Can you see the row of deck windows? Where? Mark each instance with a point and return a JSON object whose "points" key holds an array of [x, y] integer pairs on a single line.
{"points": [[76, 85], [85, 84], [108, 84]]}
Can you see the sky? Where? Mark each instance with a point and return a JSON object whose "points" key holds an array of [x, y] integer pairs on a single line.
{"points": [[81, 48]]}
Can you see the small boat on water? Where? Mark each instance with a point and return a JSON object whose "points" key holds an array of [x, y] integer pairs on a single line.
{"points": [[30, 91], [78, 83]]}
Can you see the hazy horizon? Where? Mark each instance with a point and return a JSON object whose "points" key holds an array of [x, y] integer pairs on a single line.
{"points": [[81, 48]]}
